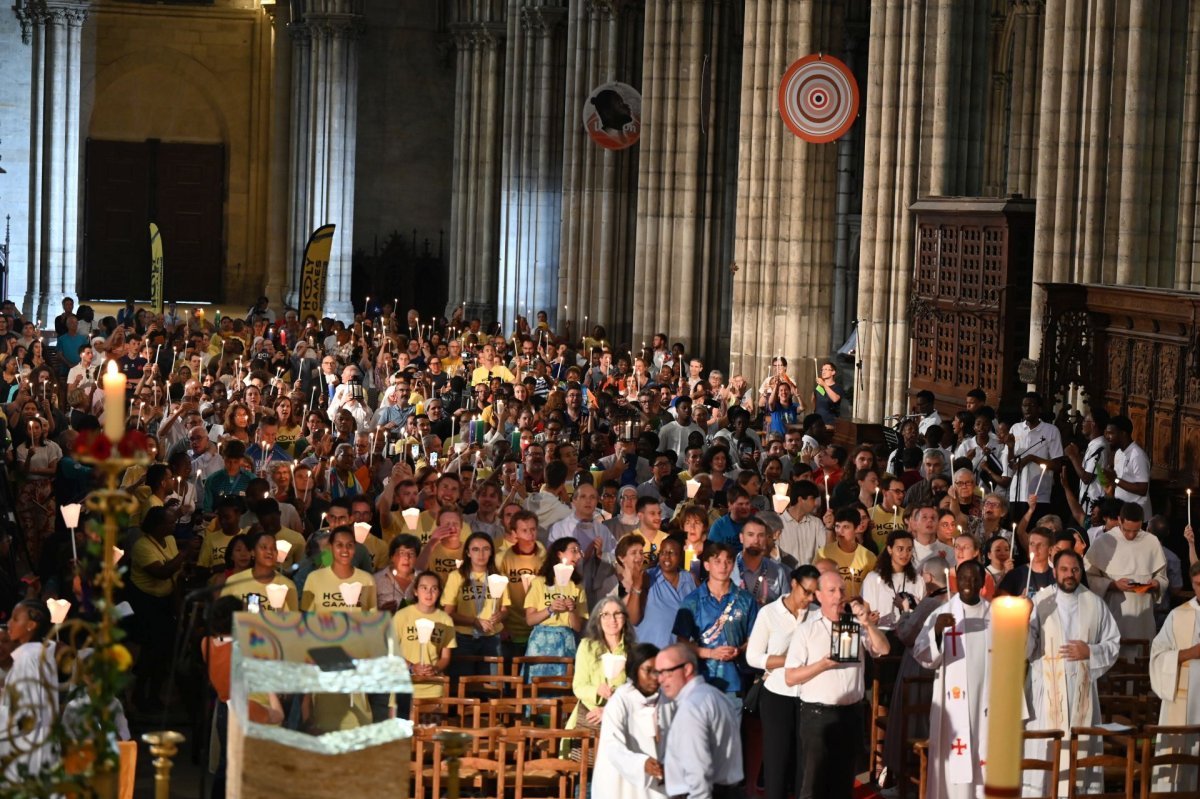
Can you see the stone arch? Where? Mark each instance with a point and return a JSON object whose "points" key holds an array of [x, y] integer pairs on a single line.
{"points": [[157, 93]]}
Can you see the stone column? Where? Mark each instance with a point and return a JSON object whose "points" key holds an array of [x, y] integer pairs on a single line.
{"points": [[324, 126], [479, 34], [786, 205], [531, 175], [596, 261], [277, 249], [54, 28], [689, 134], [1135, 154], [1187, 256]]}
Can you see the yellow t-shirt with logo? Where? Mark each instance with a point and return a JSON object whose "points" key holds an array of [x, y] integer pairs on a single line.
{"points": [[322, 591], [468, 596], [853, 566], [296, 553], [411, 649], [243, 584], [539, 598], [378, 551], [517, 566], [443, 560], [883, 523], [212, 549]]}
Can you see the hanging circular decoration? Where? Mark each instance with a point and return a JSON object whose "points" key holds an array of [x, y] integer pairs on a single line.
{"points": [[818, 98], [612, 116]]}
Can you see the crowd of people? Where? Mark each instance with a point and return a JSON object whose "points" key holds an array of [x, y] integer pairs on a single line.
{"points": [[529, 492]]}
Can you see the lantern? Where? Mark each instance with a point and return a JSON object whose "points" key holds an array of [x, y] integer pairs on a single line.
{"points": [[845, 635]]}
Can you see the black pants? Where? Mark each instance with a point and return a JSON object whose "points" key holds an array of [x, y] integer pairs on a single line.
{"points": [[780, 748], [829, 739]]}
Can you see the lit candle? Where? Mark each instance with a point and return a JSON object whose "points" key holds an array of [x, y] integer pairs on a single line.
{"points": [[114, 402], [876, 502], [1189, 493], [1038, 487], [1010, 632]]}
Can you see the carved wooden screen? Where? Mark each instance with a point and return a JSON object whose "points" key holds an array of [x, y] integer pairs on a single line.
{"points": [[1134, 351], [970, 301]]}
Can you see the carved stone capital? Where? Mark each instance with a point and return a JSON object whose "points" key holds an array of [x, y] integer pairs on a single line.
{"points": [[542, 20], [477, 35]]}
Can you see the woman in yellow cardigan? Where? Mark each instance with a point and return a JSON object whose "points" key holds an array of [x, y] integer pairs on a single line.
{"points": [[608, 633]]}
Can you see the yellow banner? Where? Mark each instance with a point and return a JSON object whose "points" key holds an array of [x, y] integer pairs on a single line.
{"points": [[156, 269], [314, 271]]}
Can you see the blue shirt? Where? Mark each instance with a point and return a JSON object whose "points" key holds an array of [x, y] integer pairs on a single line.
{"points": [[277, 453], [68, 347], [711, 622], [766, 585], [781, 417], [726, 531], [662, 604]]}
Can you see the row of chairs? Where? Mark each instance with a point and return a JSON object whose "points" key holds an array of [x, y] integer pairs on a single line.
{"points": [[1127, 760]]}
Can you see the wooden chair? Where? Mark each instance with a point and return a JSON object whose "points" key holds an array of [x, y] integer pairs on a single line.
{"points": [[540, 771], [494, 663], [1152, 757], [1117, 760], [922, 750], [881, 696], [523, 712], [521, 661], [543, 687], [915, 693], [482, 766], [1133, 711], [1050, 763], [423, 764], [447, 711], [487, 686]]}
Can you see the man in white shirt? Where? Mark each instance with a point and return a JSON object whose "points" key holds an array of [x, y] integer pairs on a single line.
{"points": [[1130, 473], [1036, 448], [1090, 464], [673, 436], [831, 692], [803, 533], [923, 524], [702, 746], [1128, 570], [924, 409]]}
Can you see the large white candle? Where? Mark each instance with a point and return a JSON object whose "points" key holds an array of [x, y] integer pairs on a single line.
{"points": [[1010, 632], [114, 403]]}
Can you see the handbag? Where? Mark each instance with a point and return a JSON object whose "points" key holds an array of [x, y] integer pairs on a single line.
{"points": [[753, 696]]}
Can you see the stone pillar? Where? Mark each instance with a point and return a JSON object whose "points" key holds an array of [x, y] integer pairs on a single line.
{"points": [[479, 34], [278, 252], [54, 204], [324, 123], [1025, 73], [786, 209], [688, 143], [531, 175], [1187, 256], [596, 262]]}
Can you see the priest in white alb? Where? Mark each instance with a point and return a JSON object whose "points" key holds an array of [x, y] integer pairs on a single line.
{"points": [[1175, 678], [1073, 641], [1126, 568], [954, 643]]}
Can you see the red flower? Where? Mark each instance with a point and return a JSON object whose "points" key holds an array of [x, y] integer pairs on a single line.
{"points": [[94, 444], [134, 442]]}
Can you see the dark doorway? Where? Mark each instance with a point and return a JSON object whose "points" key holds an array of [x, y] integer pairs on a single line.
{"points": [[178, 186]]}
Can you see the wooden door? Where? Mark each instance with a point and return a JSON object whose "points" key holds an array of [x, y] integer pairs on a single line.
{"points": [[178, 186]]}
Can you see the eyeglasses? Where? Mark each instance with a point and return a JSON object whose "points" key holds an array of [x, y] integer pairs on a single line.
{"points": [[670, 669], [616, 614]]}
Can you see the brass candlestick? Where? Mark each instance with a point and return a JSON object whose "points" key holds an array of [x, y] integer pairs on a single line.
{"points": [[164, 745]]}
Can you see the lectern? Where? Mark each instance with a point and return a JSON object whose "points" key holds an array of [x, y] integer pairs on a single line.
{"points": [[274, 652]]}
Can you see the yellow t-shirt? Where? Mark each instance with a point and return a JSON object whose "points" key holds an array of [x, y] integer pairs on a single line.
{"points": [[212, 549], [426, 522], [378, 551], [322, 591], [243, 584], [146, 552], [853, 566], [539, 597], [286, 438], [483, 374], [442, 560], [517, 566], [468, 597], [411, 649], [883, 523], [653, 542], [333, 712]]}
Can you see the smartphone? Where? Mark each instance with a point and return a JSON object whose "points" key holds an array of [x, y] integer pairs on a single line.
{"points": [[331, 658], [433, 459], [254, 603]]}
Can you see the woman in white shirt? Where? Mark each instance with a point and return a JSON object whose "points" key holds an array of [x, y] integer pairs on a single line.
{"points": [[778, 703], [626, 767], [893, 588], [37, 462]]}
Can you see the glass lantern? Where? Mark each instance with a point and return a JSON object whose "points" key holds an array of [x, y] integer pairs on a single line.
{"points": [[845, 636]]}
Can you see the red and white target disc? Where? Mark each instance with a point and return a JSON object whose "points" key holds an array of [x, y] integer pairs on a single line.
{"points": [[818, 98]]}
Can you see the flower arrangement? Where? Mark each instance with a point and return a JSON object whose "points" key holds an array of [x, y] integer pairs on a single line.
{"points": [[94, 445]]}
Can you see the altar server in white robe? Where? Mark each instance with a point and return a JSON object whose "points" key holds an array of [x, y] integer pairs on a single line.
{"points": [[29, 702], [626, 764], [954, 643], [1175, 678], [1127, 568], [1073, 641]]}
